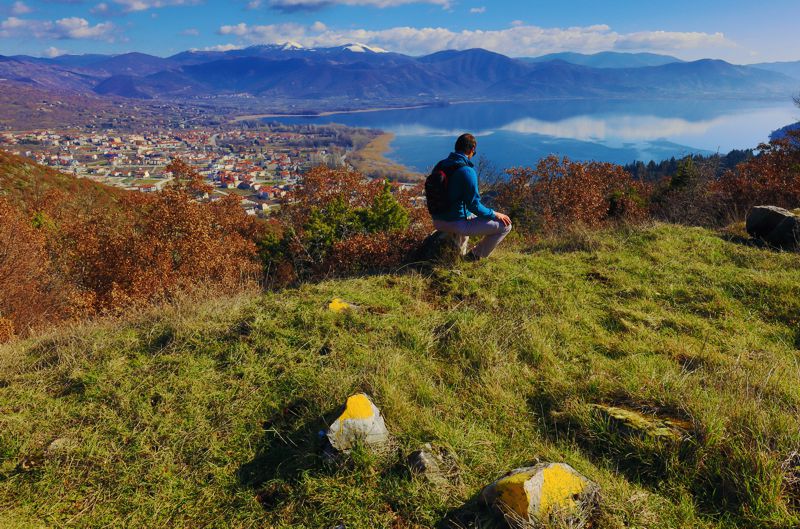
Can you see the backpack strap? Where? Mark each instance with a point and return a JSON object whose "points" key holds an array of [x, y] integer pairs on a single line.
{"points": [[449, 169]]}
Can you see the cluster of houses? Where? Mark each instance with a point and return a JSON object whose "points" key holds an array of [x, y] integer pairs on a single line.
{"points": [[260, 168]]}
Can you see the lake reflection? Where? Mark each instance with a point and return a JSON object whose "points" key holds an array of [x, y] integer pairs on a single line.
{"points": [[511, 134]]}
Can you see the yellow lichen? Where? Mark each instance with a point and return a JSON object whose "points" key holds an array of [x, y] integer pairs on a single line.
{"points": [[357, 407], [338, 305], [653, 426], [512, 494], [559, 488]]}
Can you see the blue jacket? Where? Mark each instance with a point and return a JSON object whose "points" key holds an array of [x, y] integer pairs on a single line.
{"points": [[462, 190]]}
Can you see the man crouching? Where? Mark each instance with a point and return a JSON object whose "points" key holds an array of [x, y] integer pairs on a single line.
{"points": [[455, 203]]}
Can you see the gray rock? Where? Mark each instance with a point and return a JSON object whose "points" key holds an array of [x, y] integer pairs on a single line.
{"points": [[359, 422], [59, 447], [424, 461], [429, 463], [440, 247], [776, 226]]}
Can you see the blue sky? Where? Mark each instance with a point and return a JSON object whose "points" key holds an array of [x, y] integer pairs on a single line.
{"points": [[734, 30]]}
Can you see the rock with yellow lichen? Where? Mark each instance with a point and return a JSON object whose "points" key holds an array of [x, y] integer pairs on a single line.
{"points": [[542, 494], [360, 422]]}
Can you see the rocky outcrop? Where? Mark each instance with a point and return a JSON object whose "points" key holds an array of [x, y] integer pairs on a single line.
{"points": [[542, 494], [776, 226]]}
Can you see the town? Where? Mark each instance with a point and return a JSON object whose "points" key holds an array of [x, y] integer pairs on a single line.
{"points": [[260, 165]]}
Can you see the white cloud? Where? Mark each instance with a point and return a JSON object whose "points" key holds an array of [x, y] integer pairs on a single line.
{"points": [[310, 5], [20, 8], [614, 128], [143, 5], [65, 28], [670, 40], [100, 9], [516, 41], [79, 28], [219, 47], [52, 52], [478, 10], [191, 32], [240, 30]]}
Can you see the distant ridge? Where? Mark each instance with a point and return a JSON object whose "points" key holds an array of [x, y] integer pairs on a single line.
{"points": [[358, 72], [608, 59], [792, 68]]}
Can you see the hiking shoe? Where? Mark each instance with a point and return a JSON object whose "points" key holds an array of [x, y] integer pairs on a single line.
{"points": [[471, 257]]}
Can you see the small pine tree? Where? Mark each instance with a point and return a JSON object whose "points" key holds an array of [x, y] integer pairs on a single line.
{"points": [[385, 213], [686, 174], [328, 225]]}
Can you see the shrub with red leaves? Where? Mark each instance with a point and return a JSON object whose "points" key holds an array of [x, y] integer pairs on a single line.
{"points": [[63, 258], [28, 293], [771, 178], [559, 194]]}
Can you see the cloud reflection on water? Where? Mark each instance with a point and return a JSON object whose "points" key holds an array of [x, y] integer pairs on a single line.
{"points": [[613, 128]]}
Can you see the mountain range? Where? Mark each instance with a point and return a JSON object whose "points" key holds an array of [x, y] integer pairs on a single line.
{"points": [[362, 73], [608, 59]]}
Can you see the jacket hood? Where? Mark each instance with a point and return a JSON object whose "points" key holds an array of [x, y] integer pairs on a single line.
{"points": [[457, 157]]}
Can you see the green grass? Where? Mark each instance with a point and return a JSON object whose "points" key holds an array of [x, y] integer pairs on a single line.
{"points": [[207, 414]]}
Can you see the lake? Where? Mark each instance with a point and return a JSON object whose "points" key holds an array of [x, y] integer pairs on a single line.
{"points": [[519, 133]]}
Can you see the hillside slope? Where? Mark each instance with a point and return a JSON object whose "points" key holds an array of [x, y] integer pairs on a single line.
{"points": [[26, 183], [206, 415]]}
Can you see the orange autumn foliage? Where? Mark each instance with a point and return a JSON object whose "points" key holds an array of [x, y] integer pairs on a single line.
{"points": [[29, 293], [62, 258], [559, 194], [771, 178]]}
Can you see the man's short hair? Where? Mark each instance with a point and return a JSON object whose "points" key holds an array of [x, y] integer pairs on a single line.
{"points": [[466, 143]]}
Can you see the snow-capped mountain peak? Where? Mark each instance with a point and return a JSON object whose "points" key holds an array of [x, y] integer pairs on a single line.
{"points": [[291, 45], [362, 48]]}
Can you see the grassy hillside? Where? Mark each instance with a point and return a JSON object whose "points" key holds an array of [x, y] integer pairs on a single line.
{"points": [[26, 183], [207, 414]]}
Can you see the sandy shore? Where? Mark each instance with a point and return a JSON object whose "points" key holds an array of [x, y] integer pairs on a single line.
{"points": [[372, 160]]}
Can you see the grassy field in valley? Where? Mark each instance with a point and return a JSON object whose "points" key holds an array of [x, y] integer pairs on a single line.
{"points": [[207, 414]]}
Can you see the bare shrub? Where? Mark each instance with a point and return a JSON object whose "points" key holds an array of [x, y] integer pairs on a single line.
{"points": [[28, 289]]}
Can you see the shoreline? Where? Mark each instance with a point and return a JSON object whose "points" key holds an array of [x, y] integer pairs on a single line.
{"points": [[372, 158], [328, 113]]}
